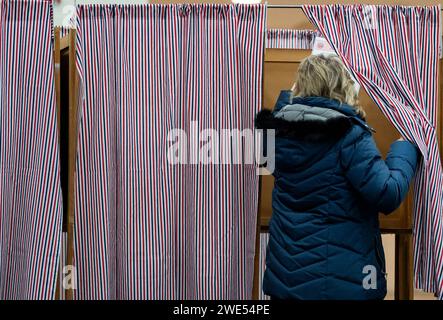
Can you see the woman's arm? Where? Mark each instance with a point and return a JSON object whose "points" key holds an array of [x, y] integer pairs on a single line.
{"points": [[383, 184]]}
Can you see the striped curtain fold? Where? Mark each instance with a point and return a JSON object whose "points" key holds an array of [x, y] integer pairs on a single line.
{"points": [[393, 52], [30, 192], [290, 39], [145, 228]]}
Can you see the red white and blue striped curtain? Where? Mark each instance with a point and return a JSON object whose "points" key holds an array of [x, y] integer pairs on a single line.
{"points": [[146, 229], [30, 194], [64, 31], [393, 52], [290, 39]]}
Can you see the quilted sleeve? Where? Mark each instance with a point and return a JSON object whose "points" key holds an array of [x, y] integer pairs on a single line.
{"points": [[383, 184]]}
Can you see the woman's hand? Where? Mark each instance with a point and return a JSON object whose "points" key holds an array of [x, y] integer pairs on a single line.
{"points": [[293, 87], [401, 139]]}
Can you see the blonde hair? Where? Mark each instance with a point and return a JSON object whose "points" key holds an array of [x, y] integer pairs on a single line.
{"points": [[326, 76]]}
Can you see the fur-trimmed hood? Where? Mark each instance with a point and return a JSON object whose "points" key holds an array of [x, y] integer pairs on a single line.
{"points": [[305, 122], [309, 118]]}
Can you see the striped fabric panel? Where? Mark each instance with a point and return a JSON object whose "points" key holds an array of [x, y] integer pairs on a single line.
{"points": [[264, 239], [394, 54], [64, 31], [30, 194], [146, 229], [290, 39]]}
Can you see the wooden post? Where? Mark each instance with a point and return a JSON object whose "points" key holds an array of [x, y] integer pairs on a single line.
{"points": [[73, 94], [404, 273], [256, 279], [57, 110]]}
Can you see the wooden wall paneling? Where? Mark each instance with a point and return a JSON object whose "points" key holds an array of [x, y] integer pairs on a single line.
{"points": [[404, 270], [256, 280], [73, 95], [64, 42]]}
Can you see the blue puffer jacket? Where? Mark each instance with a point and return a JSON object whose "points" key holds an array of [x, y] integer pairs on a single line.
{"points": [[330, 185]]}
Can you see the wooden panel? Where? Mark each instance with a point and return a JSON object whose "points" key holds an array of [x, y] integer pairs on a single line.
{"points": [[73, 92], [64, 42], [279, 74], [404, 271]]}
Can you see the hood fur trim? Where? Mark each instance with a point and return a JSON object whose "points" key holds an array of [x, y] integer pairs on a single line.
{"points": [[332, 128]]}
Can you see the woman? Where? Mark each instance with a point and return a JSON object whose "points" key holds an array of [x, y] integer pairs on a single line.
{"points": [[330, 185]]}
